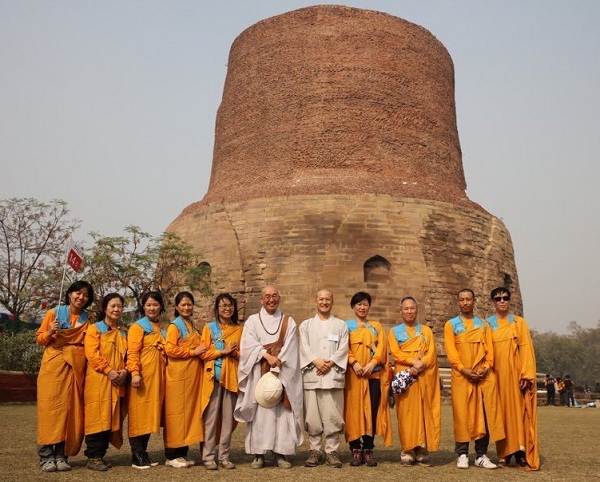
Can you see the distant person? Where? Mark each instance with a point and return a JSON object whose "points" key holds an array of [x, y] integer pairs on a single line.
{"points": [[105, 383], [515, 369], [323, 361], [60, 380], [220, 382], [183, 381], [549, 383], [475, 404], [366, 408], [562, 392], [412, 346], [597, 389], [146, 361], [270, 344], [569, 388], [587, 392]]}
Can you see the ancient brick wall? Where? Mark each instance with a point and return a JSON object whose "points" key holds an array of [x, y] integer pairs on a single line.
{"points": [[303, 243], [331, 100]]}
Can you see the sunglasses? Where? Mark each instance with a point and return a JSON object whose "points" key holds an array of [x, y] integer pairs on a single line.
{"points": [[497, 299]]}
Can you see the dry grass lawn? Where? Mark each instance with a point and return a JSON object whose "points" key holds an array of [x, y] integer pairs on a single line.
{"points": [[568, 439]]}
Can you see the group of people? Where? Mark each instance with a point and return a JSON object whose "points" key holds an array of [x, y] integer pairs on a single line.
{"points": [[325, 376], [94, 374], [565, 388]]}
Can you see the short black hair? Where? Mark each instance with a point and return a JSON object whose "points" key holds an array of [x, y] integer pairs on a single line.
{"points": [[466, 290], [360, 296], [77, 286], [156, 296], [498, 291], [181, 295], [233, 301], [105, 301]]}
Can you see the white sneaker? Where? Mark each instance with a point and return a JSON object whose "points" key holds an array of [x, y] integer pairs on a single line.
{"points": [[462, 462], [178, 463], [485, 462]]}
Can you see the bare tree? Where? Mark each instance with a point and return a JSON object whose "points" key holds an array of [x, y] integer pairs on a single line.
{"points": [[33, 240]]}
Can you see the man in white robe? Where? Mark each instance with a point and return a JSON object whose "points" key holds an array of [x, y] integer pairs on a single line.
{"points": [[277, 429], [323, 359]]}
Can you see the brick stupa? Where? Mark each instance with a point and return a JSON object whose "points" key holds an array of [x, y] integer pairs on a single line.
{"points": [[337, 164]]}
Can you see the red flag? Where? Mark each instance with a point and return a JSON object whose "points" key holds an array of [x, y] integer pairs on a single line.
{"points": [[75, 257]]}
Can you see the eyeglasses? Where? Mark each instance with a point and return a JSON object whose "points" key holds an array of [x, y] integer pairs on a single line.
{"points": [[226, 307], [498, 299]]}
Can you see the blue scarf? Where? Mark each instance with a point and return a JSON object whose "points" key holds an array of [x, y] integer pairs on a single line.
{"points": [[62, 315], [217, 335], [493, 321], [459, 327], [353, 325]]}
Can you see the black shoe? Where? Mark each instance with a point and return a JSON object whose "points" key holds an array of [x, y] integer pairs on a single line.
{"points": [[149, 460], [138, 461], [97, 464]]}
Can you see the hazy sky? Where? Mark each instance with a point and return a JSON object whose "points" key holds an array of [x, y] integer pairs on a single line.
{"points": [[110, 105]]}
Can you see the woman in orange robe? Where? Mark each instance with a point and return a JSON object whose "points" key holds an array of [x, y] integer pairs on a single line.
{"points": [[220, 382], [412, 346], [60, 379], [183, 423], [146, 361], [514, 367], [105, 380], [366, 410]]}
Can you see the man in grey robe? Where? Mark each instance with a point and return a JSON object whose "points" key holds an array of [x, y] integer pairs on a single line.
{"points": [[277, 429], [323, 359]]}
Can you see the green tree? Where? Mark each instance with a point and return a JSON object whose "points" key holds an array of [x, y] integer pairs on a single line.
{"points": [[576, 354], [33, 239], [139, 262]]}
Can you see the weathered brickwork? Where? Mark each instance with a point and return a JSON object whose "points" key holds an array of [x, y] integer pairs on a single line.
{"points": [[303, 243], [337, 164], [332, 100]]}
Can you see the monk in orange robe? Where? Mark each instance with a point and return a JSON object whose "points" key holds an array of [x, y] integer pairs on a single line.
{"points": [[366, 410], [412, 346], [514, 367], [60, 379], [146, 361], [105, 392], [220, 382], [475, 406], [183, 425]]}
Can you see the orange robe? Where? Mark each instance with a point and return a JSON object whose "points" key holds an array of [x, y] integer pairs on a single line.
{"points": [[146, 357], [419, 408], [473, 349], [357, 402], [105, 403], [60, 384], [183, 423], [229, 367], [515, 361]]}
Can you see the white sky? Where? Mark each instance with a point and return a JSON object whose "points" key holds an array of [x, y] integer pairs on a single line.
{"points": [[110, 105]]}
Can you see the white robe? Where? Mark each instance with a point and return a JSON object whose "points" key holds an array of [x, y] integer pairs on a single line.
{"points": [[277, 429], [325, 339]]}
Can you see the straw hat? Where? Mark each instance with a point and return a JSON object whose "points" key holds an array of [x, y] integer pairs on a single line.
{"points": [[268, 390]]}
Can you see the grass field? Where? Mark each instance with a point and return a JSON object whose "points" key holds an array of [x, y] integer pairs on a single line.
{"points": [[569, 440]]}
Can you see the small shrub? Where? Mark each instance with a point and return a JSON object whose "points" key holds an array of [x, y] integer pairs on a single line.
{"points": [[19, 352]]}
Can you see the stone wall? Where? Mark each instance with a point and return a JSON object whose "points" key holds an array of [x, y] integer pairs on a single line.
{"points": [[303, 243]]}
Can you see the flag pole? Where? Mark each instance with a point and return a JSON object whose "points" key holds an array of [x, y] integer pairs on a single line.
{"points": [[62, 281]]}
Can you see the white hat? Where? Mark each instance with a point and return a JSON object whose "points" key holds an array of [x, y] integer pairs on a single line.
{"points": [[268, 390]]}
